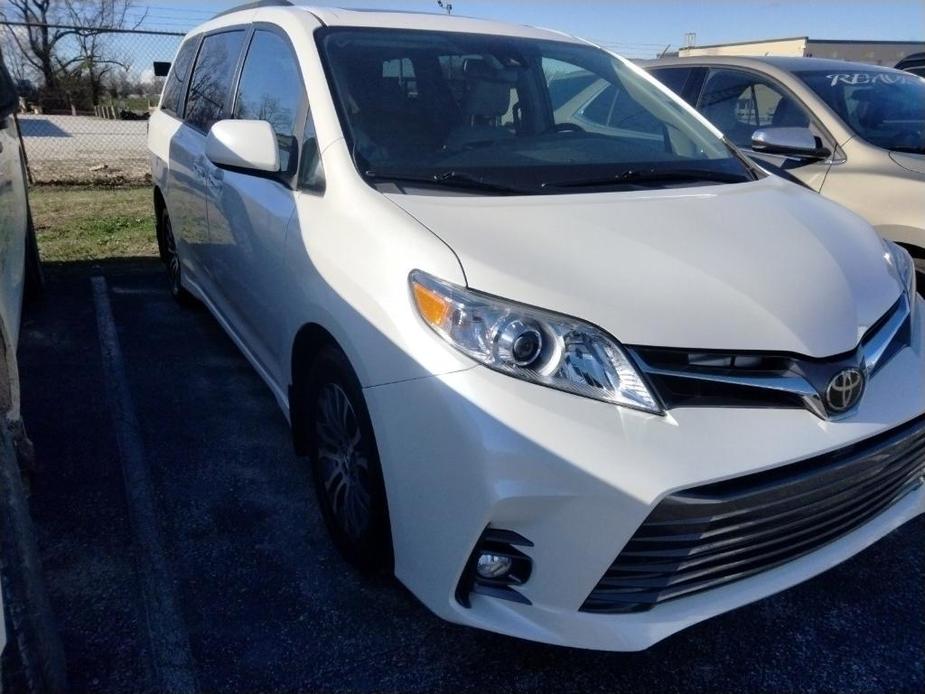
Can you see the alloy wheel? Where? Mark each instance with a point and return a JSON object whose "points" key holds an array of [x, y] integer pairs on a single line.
{"points": [[172, 258], [343, 460]]}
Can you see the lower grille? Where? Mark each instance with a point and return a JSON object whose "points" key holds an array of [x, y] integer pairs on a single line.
{"points": [[711, 535]]}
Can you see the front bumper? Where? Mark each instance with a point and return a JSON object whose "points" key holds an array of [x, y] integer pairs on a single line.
{"points": [[578, 477]]}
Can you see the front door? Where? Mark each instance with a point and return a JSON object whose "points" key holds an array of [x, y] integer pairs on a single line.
{"points": [[249, 213], [738, 102], [208, 93]]}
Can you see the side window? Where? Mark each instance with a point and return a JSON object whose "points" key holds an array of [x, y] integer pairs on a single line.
{"points": [[271, 89], [566, 86], [675, 78], [211, 80], [739, 102], [602, 106], [311, 175], [173, 87], [614, 108]]}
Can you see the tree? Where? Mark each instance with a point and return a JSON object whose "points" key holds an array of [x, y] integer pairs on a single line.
{"points": [[67, 41], [20, 69], [38, 42], [95, 57]]}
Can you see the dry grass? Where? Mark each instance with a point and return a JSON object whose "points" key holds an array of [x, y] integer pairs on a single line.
{"points": [[75, 224]]}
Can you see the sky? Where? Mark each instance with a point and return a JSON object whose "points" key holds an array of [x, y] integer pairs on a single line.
{"points": [[638, 28]]}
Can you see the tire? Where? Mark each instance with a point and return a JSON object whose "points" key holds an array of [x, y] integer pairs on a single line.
{"points": [[345, 462], [34, 655], [172, 262], [34, 281]]}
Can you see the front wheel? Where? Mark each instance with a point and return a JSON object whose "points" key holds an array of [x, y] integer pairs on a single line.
{"points": [[345, 463]]}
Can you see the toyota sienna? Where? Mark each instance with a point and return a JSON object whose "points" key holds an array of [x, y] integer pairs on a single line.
{"points": [[581, 385]]}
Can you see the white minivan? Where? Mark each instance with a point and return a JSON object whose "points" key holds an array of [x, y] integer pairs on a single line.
{"points": [[586, 387]]}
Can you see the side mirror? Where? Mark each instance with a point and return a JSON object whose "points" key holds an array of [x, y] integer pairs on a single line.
{"points": [[9, 100], [161, 69], [789, 142], [243, 144]]}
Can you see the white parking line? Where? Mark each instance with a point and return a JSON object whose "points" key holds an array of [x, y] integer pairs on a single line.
{"points": [[171, 658]]}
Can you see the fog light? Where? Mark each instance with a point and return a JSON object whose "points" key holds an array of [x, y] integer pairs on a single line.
{"points": [[493, 565], [496, 568]]}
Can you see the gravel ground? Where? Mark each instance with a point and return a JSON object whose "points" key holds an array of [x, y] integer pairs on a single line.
{"points": [[267, 603], [83, 149]]}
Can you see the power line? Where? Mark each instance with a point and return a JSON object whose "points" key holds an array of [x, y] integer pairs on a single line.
{"points": [[629, 44], [184, 10], [94, 30], [153, 10]]}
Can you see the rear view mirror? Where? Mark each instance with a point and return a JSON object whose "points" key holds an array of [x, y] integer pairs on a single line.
{"points": [[161, 69], [790, 142], [243, 144]]}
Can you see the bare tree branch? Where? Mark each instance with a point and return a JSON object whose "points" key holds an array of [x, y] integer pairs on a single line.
{"points": [[69, 41]]}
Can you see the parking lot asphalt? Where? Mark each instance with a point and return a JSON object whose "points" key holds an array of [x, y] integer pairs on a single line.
{"points": [[264, 600]]}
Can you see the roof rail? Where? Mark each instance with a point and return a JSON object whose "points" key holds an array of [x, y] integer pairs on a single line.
{"points": [[255, 5]]}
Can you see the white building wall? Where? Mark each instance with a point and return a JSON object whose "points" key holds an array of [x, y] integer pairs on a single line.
{"points": [[788, 47], [872, 52], [887, 54]]}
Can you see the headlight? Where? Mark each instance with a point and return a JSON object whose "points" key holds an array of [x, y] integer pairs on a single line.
{"points": [[531, 344], [903, 267]]}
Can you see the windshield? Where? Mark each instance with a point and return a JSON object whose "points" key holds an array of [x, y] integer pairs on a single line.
{"points": [[884, 107], [504, 114]]}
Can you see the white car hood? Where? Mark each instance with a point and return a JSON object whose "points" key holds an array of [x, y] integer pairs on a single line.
{"points": [[763, 266]]}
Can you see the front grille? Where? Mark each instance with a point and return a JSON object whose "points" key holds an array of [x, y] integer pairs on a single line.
{"points": [[714, 534], [720, 378]]}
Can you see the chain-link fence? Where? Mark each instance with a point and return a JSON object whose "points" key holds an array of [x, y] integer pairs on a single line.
{"points": [[83, 112]]}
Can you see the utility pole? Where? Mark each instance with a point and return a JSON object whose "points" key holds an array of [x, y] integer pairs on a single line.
{"points": [[445, 6]]}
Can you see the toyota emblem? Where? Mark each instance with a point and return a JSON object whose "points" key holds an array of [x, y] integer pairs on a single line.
{"points": [[844, 390]]}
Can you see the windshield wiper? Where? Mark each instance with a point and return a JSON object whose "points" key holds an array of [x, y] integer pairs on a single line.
{"points": [[454, 179], [644, 177]]}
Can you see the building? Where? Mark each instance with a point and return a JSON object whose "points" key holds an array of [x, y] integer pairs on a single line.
{"points": [[874, 52]]}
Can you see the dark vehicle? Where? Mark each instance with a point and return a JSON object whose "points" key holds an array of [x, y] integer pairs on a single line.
{"points": [[914, 63], [31, 659]]}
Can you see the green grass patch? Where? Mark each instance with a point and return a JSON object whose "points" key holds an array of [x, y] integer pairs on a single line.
{"points": [[75, 224]]}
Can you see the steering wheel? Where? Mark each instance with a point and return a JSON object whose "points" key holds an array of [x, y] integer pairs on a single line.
{"points": [[565, 128]]}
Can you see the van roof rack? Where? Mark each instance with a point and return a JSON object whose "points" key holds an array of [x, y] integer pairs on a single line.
{"points": [[255, 5]]}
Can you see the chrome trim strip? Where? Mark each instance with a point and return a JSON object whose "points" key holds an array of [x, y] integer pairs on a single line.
{"points": [[869, 355], [789, 384], [875, 347]]}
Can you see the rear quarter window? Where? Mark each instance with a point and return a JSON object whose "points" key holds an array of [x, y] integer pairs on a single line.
{"points": [[173, 87]]}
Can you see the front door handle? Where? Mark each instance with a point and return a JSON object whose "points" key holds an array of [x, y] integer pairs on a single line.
{"points": [[214, 180]]}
